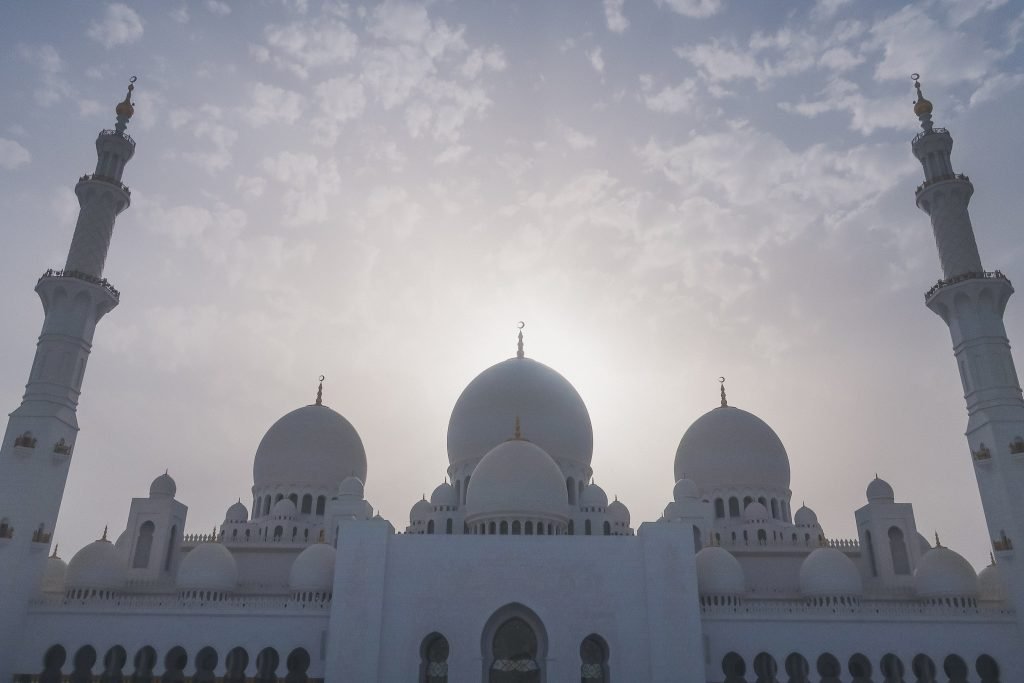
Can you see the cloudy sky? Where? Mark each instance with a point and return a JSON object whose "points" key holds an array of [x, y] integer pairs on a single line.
{"points": [[664, 190]]}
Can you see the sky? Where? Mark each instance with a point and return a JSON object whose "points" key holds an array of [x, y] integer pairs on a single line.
{"points": [[665, 191]]}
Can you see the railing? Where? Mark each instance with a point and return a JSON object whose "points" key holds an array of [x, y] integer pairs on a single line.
{"points": [[177, 601], [856, 608], [963, 277], [942, 179], [127, 137], [85, 277], [920, 136], [106, 179], [252, 539]]}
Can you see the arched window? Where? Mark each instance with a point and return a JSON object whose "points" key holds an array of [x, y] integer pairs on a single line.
{"points": [[143, 545], [297, 664], [898, 549], [697, 543], [458, 492], [206, 662], [719, 508], [734, 667], [278, 532], [987, 668], [504, 529], [174, 666], [924, 669], [448, 525], [492, 528], [430, 527], [593, 660], [235, 664], [747, 500], [53, 660], [734, 507], [828, 668], [516, 528], [570, 489], [762, 537], [321, 503], [572, 528], [528, 528], [171, 540], [307, 504], [294, 498], [540, 527], [871, 553], [891, 668], [266, 665], [775, 508], [145, 660], [763, 501], [860, 668], [266, 505], [113, 665], [797, 668], [514, 654], [434, 659], [765, 668], [955, 668], [607, 528], [586, 527]]}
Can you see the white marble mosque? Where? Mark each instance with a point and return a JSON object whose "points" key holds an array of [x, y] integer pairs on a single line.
{"points": [[305, 583]]}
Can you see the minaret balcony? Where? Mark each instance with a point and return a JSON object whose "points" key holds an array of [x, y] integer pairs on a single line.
{"points": [[85, 277], [106, 179], [129, 140], [941, 179], [964, 277], [920, 136]]}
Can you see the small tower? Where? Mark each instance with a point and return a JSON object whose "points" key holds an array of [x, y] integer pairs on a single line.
{"points": [[155, 526], [39, 442], [971, 301], [889, 537]]}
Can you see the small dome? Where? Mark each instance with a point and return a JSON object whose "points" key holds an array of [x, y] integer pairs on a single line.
{"points": [[673, 511], [312, 446], [97, 566], [922, 106], [313, 569], [420, 511], [617, 512], [684, 488], [553, 415], [208, 566], [755, 512], [352, 486], [163, 487], [923, 545], [593, 496], [444, 495], [829, 572], [805, 517], [124, 108], [731, 448], [942, 572], [879, 491], [990, 584], [237, 513], [284, 509], [517, 478], [54, 575], [719, 573]]}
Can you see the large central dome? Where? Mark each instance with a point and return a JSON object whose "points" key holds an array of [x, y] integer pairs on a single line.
{"points": [[552, 413]]}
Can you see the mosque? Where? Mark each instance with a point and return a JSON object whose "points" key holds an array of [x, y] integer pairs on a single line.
{"points": [[520, 569]]}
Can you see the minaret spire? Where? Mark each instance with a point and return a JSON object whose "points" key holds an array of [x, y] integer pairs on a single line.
{"points": [[320, 392], [721, 381], [38, 445], [520, 353]]}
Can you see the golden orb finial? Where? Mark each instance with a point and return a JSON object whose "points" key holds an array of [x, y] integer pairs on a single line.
{"points": [[922, 106], [125, 109]]}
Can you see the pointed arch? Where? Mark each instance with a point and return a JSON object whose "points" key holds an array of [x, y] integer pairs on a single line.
{"points": [[514, 638]]}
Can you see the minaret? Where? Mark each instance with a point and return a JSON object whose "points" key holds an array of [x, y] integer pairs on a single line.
{"points": [[39, 443], [971, 302]]}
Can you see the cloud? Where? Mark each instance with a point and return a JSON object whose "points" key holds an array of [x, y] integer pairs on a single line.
{"points": [[995, 87], [672, 99], [120, 25], [452, 154], [866, 115], [596, 60], [826, 9], [301, 46], [696, 9], [251, 187], [179, 14], [206, 125], [52, 87], [309, 184], [577, 140], [12, 154], [270, 104], [613, 16], [479, 60], [339, 100], [218, 7]]}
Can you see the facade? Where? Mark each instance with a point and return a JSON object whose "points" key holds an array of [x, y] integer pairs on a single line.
{"points": [[494, 577]]}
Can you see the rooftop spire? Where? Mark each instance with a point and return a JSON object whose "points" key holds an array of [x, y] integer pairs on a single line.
{"points": [[922, 107], [721, 381], [938, 544], [104, 533], [56, 546], [320, 392], [126, 108], [519, 430], [519, 351]]}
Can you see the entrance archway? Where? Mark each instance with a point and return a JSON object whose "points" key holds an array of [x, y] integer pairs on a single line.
{"points": [[514, 646]]}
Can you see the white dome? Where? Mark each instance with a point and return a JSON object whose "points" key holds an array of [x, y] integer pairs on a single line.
{"points": [[943, 573], [684, 488], [880, 491], [593, 496], [313, 569], [731, 448], [755, 512], [283, 509], [829, 572], [97, 565], [552, 413], [990, 584], [673, 511], [237, 513], [517, 478], [444, 495], [719, 573], [617, 512], [208, 566], [54, 575], [805, 517], [163, 487], [351, 486], [312, 446], [420, 510]]}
